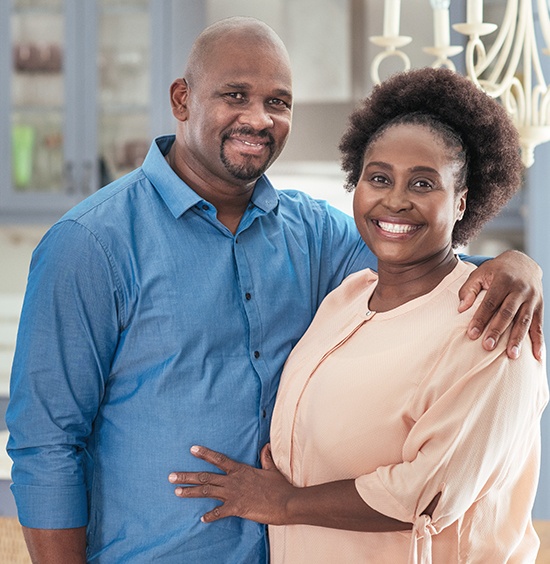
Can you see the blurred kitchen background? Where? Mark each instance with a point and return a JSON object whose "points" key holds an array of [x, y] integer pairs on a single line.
{"points": [[84, 90]]}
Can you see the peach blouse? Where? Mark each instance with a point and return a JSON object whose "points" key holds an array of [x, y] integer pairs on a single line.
{"points": [[404, 403]]}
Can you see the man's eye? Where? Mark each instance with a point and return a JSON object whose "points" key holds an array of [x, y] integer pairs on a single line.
{"points": [[279, 103], [235, 95]]}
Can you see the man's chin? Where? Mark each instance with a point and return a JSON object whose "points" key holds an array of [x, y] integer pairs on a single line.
{"points": [[246, 172]]}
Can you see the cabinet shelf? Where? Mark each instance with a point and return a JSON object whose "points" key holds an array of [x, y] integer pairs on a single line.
{"points": [[37, 109], [125, 109]]}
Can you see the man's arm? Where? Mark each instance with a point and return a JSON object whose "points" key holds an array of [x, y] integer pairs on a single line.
{"points": [[514, 297], [48, 546], [67, 333], [513, 282]]}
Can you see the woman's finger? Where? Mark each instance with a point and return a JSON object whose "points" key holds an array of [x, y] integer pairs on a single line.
{"points": [[195, 478], [218, 459]]}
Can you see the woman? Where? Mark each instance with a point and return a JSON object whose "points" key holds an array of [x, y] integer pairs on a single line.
{"points": [[393, 434]]}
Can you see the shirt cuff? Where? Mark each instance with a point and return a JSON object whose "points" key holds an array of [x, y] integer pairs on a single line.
{"points": [[373, 492], [47, 507]]}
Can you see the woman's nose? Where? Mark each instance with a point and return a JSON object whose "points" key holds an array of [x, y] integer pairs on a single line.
{"points": [[397, 199]]}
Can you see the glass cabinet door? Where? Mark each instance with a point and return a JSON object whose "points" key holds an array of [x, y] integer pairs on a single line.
{"points": [[80, 96], [124, 86], [37, 95]]}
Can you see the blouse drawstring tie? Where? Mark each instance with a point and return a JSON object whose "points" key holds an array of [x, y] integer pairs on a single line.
{"points": [[422, 529]]}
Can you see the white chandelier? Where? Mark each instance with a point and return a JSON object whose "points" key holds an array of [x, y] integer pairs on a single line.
{"points": [[509, 70]]}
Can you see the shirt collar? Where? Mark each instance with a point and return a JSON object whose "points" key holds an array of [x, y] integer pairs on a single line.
{"points": [[179, 196]]}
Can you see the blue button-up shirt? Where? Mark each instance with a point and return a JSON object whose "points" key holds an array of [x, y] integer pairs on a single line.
{"points": [[149, 327]]}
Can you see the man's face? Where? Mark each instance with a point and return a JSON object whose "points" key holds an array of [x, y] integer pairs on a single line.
{"points": [[238, 112]]}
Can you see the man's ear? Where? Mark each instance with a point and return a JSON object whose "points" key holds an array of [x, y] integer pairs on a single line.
{"points": [[179, 92]]}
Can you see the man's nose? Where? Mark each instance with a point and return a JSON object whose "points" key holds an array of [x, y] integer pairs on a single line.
{"points": [[257, 116]]}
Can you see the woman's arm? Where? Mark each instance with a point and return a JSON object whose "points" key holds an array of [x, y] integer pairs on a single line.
{"points": [[481, 408], [265, 496]]}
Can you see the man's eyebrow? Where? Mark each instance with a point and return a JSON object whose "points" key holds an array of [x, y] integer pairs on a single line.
{"points": [[237, 85], [283, 92], [246, 86]]}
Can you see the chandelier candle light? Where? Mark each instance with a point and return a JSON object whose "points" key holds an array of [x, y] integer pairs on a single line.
{"points": [[509, 70]]}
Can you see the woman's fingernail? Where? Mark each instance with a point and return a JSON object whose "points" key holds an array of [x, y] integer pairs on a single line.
{"points": [[172, 477], [490, 342]]}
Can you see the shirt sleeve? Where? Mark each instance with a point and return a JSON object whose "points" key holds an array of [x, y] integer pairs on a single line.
{"points": [[66, 340], [343, 249], [477, 260], [475, 417]]}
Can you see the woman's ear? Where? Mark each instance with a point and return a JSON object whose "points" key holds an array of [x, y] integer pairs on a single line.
{"points": [[461, 204], [179, 92]]}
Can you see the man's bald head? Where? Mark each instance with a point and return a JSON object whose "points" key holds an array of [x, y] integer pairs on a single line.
{"points": [[249, 32]]}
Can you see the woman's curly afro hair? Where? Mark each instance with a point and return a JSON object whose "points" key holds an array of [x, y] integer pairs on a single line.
{"points": [[441, 96]]}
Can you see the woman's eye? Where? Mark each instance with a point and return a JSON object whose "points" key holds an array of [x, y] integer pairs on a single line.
{"points": [[423, 185], [379, 179]]}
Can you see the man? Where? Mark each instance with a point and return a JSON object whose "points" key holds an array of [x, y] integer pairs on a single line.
{"points": [[160, 311]]}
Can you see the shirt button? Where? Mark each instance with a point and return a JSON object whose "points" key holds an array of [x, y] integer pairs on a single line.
{"points": [[205, 207], [256, 354], [248, 296]]}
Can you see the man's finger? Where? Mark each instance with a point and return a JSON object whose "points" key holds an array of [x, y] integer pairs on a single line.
{"points": [[502, 319], [520, 328], [485, 311], [536, 334], [468, 297]]}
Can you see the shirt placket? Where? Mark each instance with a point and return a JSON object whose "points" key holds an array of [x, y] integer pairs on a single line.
{"points": [[243, 239]]}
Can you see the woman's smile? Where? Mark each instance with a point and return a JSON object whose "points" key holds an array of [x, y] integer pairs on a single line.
{"points": [[389, 227]]}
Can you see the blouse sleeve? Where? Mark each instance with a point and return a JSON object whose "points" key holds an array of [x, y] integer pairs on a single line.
{"points": [[477, 417]]}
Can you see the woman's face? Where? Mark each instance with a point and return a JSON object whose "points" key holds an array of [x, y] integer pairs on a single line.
{"points": [[405, 205]]}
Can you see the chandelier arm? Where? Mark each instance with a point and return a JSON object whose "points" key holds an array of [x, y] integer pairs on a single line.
{"points": [[444, 63], [535, 58], [474, 45], [503, 40], [510, 31], [528, 63], [544, 20], [386, 54], [544, 107], [538, 94], [499, 85], [514, 101]]}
